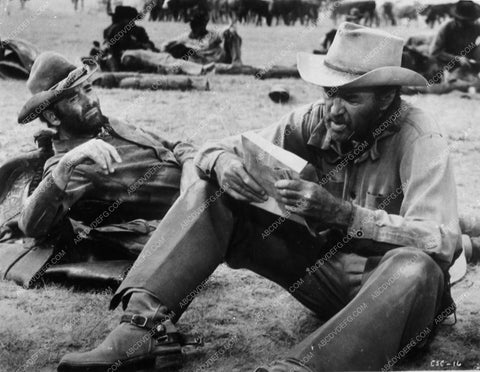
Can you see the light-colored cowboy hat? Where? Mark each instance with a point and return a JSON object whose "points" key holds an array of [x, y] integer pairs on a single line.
{"points": [[359, 57], [51, 79]]}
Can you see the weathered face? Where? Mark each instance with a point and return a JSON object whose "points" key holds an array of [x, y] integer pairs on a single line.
{"points": [[80, 112], [351, 113]]}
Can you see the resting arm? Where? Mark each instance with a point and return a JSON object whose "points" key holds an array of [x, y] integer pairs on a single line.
{"points": [[49, 203]]}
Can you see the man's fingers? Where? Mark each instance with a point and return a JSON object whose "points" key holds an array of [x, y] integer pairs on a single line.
{"points": [[295, 185], [234, 194], [251, 183], [246, 193], [98, 158], [105, 154], [111, 154], [114, 153], [288, 193]]}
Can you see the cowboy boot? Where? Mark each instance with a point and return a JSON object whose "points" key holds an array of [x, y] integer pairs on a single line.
{"points": [[138, 342], [287, 365]]}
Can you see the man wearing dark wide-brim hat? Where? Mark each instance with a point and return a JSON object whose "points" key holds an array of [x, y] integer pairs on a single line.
{"points": [[455, 42], [382, 222], [99, 162]]}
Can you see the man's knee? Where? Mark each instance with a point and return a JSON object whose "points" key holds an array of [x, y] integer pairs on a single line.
{"points": [[413, 265]]}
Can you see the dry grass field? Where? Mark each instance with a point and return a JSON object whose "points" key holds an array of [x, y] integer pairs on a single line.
{"points": [[38, 326]]}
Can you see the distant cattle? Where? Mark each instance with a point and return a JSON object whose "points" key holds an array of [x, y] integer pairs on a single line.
{"points": [[436, 13], [287, 10], [244, 10], [387, 13], [407, 11], [180, 9], [367, 10]]}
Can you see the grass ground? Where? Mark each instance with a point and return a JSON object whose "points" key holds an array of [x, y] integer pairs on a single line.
{"points": [[38, 326]]}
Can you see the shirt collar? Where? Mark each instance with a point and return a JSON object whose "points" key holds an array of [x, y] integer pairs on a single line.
{"points": [[388, 126], [63, 146]]}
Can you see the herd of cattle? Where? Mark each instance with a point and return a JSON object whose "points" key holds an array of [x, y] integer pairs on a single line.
{"points": [[303, 11]]}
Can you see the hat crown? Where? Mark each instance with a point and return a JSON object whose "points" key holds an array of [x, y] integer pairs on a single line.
{"points": [[357, 49], [466, 9], [48, 69]]}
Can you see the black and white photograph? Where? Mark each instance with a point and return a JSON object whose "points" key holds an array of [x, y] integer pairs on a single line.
{"points": [[239, 185]]}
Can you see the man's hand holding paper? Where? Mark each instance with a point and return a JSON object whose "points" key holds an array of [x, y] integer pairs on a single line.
{"points": [[312, 201]]}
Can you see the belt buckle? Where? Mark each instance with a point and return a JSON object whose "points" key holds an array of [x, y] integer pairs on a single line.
{"points": [[142, 320]]}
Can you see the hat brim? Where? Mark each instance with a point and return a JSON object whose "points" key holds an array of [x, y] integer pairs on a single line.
{"points": [[313, 70], [43, 100], [474, 16]]}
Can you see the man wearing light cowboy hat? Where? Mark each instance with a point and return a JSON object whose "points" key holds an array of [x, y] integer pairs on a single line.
{"points": [[97, 165], [383, 225]]}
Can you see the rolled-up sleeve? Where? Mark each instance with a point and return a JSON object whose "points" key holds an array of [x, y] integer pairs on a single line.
{"points": [[428, 216], [291, 132]]}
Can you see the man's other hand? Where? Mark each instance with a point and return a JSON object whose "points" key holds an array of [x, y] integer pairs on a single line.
{"points": [[234, 178], [309, 199], [97, 151]]}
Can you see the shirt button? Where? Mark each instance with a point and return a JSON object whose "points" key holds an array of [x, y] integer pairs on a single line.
{"points": [[353, 195]]}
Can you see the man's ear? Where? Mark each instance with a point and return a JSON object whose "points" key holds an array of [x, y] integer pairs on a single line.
{"points": [[386, 99], [50, 116]]}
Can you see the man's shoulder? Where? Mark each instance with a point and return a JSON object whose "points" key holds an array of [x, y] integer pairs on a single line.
{"points": [[417, 123], [312, 114], [121, 125]]}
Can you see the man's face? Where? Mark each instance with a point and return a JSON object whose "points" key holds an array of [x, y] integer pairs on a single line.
{"points": [[80, 112], [466, 22], [350, 113]]}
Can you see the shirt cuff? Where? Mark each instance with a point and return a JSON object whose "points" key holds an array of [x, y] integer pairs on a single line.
{"points": [[363, 220], [206, 162]]}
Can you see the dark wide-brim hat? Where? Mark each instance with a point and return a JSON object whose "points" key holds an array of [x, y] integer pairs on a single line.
{"points": [[51, 79], [466, 10], [123, 12], [199, 15], [359, 57]]}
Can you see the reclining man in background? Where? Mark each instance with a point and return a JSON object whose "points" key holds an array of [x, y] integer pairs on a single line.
{"points": [[204, 46], [102, 169], [385, 207], [455, 44], [130, 48]]}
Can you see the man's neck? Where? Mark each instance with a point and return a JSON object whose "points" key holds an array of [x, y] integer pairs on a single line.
{"points": [[64, 135]]}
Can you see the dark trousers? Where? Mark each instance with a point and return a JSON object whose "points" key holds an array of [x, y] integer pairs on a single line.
{"points": [[374, 306]]}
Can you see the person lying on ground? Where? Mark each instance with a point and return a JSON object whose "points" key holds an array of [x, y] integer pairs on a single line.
{"points": [[382, 207], [105, 172]]}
